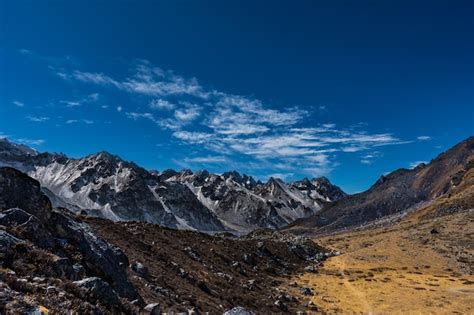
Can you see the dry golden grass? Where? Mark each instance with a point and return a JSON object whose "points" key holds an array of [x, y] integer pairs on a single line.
{"points": [[404, 269]]}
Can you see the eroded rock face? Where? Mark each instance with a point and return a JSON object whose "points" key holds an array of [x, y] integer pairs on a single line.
{"points": [[18, 190], [153, 309], [28, 227], [99, 289], [71, 249], [98, 256], [7, 240]]}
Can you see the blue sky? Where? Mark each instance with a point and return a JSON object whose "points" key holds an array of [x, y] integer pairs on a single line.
{"points": [[345, 89]]}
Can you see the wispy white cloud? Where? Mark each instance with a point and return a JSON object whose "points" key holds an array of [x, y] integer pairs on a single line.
{"points": [[18, 103], [136, 116], [147, 80], [161, 104], [370, 158], [188, 113], [90, 77], [206, 159], [424, 138], [34, 142], [234, 125], [37, 118], [74, 121], [88, 99], [193, 137]]}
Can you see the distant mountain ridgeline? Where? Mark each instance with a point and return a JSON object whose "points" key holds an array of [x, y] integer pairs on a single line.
{"points": [[106, 186]]}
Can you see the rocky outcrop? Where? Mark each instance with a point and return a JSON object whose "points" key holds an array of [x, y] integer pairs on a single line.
{"points": [[99, 290], [53, 243], [14, 186]]}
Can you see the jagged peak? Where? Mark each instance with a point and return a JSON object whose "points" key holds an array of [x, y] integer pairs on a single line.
{"points": [[275, 180], [103, 155], [16, 148], [323, 179], [242, 179], [186, 172]]}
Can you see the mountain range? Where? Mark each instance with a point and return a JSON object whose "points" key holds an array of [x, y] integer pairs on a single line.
{"points": [[399, 193], [106, 186], [83, 237]]}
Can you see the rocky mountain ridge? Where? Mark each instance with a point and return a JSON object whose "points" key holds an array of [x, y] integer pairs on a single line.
{"points": [[106, 186], [397, 192]]}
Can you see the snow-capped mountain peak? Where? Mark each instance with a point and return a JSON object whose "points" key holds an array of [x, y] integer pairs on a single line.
{"points": [[103, 184]]}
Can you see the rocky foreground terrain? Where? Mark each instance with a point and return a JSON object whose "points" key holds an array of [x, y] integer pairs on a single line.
{"points": [[53, 261]]}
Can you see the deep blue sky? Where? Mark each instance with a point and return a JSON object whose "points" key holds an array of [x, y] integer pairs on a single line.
{"points": [[346, 89]]}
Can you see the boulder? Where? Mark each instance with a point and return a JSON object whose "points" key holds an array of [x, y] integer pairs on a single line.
{"points": [[310, 269], [100, 290], [281, 305], [79, 271], [100, 257], [153, 309], [306, 291], [63, 268], [18, 190], [27, 226], [7, 240], [140, 269]]}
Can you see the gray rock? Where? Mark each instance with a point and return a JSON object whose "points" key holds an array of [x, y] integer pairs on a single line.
{"points": [[310, 269], [79, 271], [8, 240], [29, 226], [238, 311], [153, 309], [306, 291], [18, 190], [281, 305], [63, 268], [103, 259], [140, 269], [99, 289]]}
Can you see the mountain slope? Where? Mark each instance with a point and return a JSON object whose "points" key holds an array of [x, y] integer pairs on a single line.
{"points": [[104, 185], [395, 193], [244, 204], [53, 261]]}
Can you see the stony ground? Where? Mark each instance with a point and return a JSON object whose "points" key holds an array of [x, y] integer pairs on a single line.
{"points": [[424, 265], [185, 270]]}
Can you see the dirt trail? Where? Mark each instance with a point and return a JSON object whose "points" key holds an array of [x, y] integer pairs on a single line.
{"points": [[400, 270], [359, 295]]}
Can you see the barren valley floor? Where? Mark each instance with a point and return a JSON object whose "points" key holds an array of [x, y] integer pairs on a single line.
{"points": [[416, 267]]}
